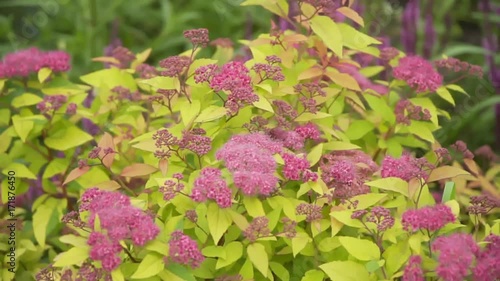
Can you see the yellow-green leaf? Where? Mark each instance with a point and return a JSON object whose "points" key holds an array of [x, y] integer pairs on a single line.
{"points": [[329, 32], [111, 78], [67, 138], [299, 242], [21, 171], [392, 184], [396, 256], [361, 249], [22, 126], [73, 256], [308, 116], [218, 221], [315, 154], [345, 271], [40, 221], [445, 94], [43, 74], [253, 206], [421, 130], [278, 7], [258, 256], [359, 129], [344, 80], [313, 275], [264, 104], [151, 265], [26, 99], [56, 166], [234, 251], [339, 145], [211, 113], [355, 39], [117, 275]]}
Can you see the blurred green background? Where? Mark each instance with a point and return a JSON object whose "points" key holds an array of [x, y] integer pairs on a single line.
{"points": [[84, 28]]}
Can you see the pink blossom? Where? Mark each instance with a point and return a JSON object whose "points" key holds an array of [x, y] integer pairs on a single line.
{"points": [[413, 271], [431, 218], [210, 185], [309, 131], [488, 264], [418, 74], [406, 167], [184, 250], [295, 167], [456, 254], [25, 62], [105, 250], [290, 139], [197, 37]]}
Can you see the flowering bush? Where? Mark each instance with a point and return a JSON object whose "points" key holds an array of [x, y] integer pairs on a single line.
{"points": [[294, 164]]}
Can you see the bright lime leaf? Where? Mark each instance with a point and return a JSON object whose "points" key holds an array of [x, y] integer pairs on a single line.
{"points": [[278, 7], [359, 129], [67, 138], [445, 94], [280, 271], [211, 113], [26, 99], [258, 256], [234, 251], [315, 154], [345, 271], [395, 256], [73, 256], [218, 221], [313, 275], [21, 171], [40, 221], [264, 104], [117, 275], [299, 242], [307, 116], [379, 106], [361, 249], [344, 80], [151, 265], [43, 74], [214, 252], [56, 166], [329, 32], [449, 192], [111, 78], [22, 126], [338, 145], [355, 39], [253, 206], [392, 184]]}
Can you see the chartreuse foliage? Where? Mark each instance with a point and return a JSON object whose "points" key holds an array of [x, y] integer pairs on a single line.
{"points": [[311, 228]]}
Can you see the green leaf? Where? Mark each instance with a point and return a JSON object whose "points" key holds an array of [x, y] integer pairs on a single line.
{"points": [[26, 99], [56, 166], [299, 242], [446, 172], [380, 107], [22, 126], [339, 145], [21, 171], [315, 154], [43, 74], [218, 221], [280, 271], [264, 104], [117, 275], [355, 39], [214, 252], [313, 275], [329, 32], [422, 130], [73, 256], [253, 206], [367, 200], [151, 265], [391, 184], [190, 112], [66, 138], [111, 78], [234, 251], [345, 271], [258, 256], [211, 113], [445, 94], [396, 256], [308, 116], [359, 129], [361, 249], [40, 221], [449, 192], [345, 218], [278, 7]]}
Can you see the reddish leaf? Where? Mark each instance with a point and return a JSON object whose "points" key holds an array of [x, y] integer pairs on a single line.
{"points": [[138, 170], [108, 185], [107, 142], [163, 166], [76, 173]]}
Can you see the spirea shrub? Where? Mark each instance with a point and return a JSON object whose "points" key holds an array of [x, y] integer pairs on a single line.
{"points": [[298, 162]]}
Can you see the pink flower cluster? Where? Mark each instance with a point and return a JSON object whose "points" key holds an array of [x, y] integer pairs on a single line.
{"points": [[456, 255], [120, 220], [195, 141], [289, 139], [51, 103], [406, 167], [405, 111], [457, 65], [174, 66], [210, 185], [418, 74], [413, 271], [309, 131], [297, 168], [346, 171], [460, 257], [171, 188], [234, 78], [431, 218], [197, 37], [269, 70], [250, 159], [311, 211], [184, 250], [25, 62], [259, 227]]}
